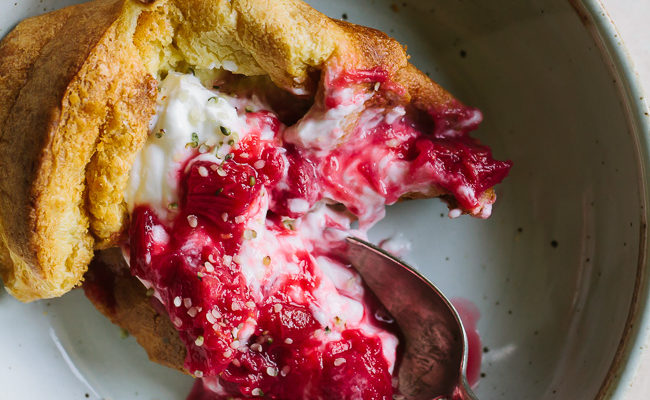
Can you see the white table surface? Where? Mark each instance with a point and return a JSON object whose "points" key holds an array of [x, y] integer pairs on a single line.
{"points": [[632, 18]]}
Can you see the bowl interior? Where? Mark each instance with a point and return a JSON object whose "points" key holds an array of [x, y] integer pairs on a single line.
{"points": [[552, 272]]}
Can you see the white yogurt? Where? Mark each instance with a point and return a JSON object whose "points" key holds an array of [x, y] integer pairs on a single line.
{"points": [[189, 118]]}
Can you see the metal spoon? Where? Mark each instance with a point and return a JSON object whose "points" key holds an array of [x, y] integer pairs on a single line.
{"points": [[435, 354]]}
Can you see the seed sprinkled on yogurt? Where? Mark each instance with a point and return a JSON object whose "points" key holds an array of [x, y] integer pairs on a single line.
{"points": [[256, 347], [209, 267], [192, 220]]}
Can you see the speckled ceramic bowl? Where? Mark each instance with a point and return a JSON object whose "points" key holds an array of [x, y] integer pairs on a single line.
{"points": [[559, 273]]}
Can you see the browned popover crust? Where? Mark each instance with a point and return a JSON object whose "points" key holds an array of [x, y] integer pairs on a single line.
{"points": [[78, 88], [124, 300], [61, 106]]}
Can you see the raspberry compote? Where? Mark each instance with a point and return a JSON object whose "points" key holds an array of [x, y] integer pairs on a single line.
{"points": [[236, 220]]}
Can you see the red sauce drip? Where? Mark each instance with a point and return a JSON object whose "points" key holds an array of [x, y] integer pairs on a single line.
{"points": [[350, 77], [470, 315]]}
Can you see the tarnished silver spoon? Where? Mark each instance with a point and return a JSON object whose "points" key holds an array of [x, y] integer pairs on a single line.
{"points": [[435, 354]]}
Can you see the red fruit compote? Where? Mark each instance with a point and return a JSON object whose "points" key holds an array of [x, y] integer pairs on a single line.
{"points": [[236, 220]]}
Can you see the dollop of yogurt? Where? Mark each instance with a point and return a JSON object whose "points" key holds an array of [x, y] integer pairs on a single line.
{"points": [[189, 118]]}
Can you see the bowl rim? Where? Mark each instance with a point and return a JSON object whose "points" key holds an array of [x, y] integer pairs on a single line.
{"points": [[633, 342], [627, 358]]}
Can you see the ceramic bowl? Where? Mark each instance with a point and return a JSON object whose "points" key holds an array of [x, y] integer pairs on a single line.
{"points": [[558, 273]]}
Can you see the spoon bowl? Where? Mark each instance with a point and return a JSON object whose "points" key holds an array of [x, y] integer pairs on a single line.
{"points": [[435, 350]]}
